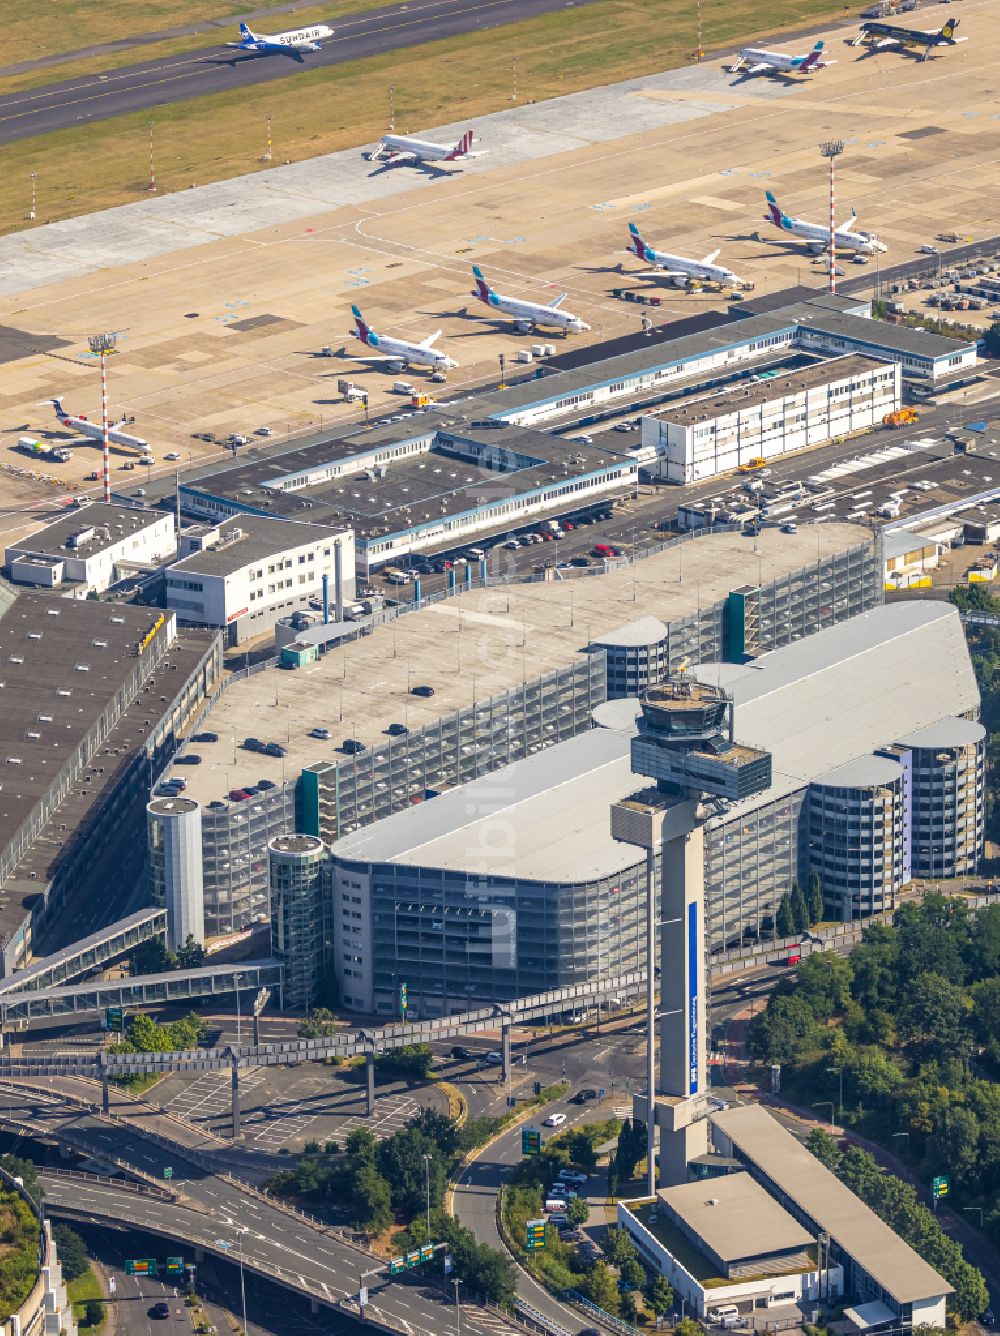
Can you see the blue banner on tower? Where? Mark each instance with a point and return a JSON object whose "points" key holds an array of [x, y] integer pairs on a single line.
{"points": [[694, 965]]}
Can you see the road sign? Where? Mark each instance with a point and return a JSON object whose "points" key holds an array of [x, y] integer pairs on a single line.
{"points": [[175, 1266], [413, 1259], [112, 1285], [448, 1264], [426, 1252], [535, 1234], [940, 1186], [537, 1087], [140, 1266], [601, 1093], [168, 1172], [402, 998], [114, 1019], [531, 1141], [261, 1001], [362, 1296], [396, 1265]]}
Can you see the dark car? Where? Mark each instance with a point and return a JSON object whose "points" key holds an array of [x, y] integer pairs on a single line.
{"points": [[352, 746], [461, 1054], [189, 758], [160, 1310], [253, 744], [217, 806], [421, 691], [584, 1096], [205, 737], [264, 784], [579, 561], [397, 730], [274, 749]]}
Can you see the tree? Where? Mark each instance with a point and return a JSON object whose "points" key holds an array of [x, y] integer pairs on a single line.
{"points": [[933, 1017], [410, 1062], [824, 1147], [152, 957], [619, 1246], [627, 1308], [814, 897], [986, 943], [577, 1211], [319, 1024], [26, 1171], [934, 938], [190, 956], [659, 1295], [986, 1009], [824, 979], [600, 1288], [953, 1146], [371, 1200], [797, 907], [689, 1327], [400, 1160], [782, 1031], [72, 1251], [633, 1273], [361, 1144], [992, 339], [784, 922], [874, 1073], [438, 1127], [93, 1312]]}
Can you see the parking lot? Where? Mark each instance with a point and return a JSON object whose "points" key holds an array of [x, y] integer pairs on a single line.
{"points": [[283, 1108]]}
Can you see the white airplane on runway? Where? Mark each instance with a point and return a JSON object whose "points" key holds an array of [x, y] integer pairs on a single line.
{"points": [[755, 60], [818, 236], [680, 270], [291, 43], [398, 354], [528, 315], [92, 430], [422, 150]]}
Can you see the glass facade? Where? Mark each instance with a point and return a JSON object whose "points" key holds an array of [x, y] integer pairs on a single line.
{"points": [[856, 844], [298, 886], [751, 860], [949, 803]]}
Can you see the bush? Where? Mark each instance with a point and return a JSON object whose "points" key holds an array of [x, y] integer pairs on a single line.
{"points": [[72, 1251]]}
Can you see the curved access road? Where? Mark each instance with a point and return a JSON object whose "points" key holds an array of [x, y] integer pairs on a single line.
{"points": [[218, 69]]}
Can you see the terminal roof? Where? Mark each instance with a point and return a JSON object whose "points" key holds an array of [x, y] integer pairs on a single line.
{"points": [[249, 538], [717, 1210], [545, 818], [856, 1229], [111, 524]]}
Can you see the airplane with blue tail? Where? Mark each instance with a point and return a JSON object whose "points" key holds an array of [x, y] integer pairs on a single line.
{"points": [[398, 354], [818, 236], [292, 43], [528, 315], [755, 60], [679, 269]]}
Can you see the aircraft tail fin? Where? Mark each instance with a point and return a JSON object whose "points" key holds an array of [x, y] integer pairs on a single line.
{"points": [[558, 301], [462, 147], [711, 257], [774, 214], [813, 58], [363, 331], [947, 33], [57, 404], [638, 246], [246, 34], [483, 290]]}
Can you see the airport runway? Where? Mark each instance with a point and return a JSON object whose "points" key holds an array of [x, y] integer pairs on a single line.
{"points": [[216, 69]]}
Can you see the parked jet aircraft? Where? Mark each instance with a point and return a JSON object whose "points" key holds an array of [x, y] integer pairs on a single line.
{"points": [[291, 43], [422, 150], [528, 315], [818, 236], [398, 353], [755, 60], [93, 431], [679, 269], [888, 37]]}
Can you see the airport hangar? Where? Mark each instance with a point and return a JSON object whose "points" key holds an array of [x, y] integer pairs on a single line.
{"points": [[480, 466], [464, 685]]}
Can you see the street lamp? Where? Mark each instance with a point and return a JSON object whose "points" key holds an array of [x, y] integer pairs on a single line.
{"points": [[840, 1105], [427, 1183], [826, 1104], [832, 150], [226, 1246], [458, 1308]]}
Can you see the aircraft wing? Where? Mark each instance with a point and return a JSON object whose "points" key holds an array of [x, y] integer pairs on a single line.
{"points": [[558, 301], [760, 68], [431, 339], [674, 273], [888, 41], [711, 257]]}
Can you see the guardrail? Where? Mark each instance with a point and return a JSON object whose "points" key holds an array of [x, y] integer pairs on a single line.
{"points": [[614, 1324]]}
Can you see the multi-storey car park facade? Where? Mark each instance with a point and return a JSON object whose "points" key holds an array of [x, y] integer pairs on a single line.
{"points": [[95, 697], [513, 882], [512, 671]]}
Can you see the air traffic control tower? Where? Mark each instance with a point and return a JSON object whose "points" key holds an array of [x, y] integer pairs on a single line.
{"points": [[685, 743]]}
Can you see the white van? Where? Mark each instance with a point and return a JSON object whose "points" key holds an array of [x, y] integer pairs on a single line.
{"points": [[720, 1314]]}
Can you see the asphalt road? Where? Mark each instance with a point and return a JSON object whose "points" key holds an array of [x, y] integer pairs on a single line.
{"points": [[156, 83]]}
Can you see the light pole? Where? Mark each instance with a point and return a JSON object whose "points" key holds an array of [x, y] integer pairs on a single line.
{"points": [[427, 1184], [101, 345], [832, 149], [267, 150], [34, 182], [458, 1308], [513, 66], [840, 1105], [392, 107], [152, 173], [226, 1246], [826, 1104]]}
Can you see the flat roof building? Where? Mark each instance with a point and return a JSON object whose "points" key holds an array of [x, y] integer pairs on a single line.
{"points": [[878, 1265], [93, 546], [245, 573]]}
